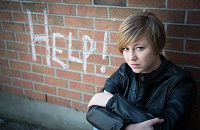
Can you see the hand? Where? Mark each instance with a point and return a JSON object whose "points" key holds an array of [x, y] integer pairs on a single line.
{"points": [[146, 125], [100, 99]]}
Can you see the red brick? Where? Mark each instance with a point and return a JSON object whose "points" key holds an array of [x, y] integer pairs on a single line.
{"points": [[34, 7], [174, 44], [147, 3], [54, 63], [110, 25], [23, 17], [52, 20], [183, 31], [122, 12], [3, 62], [56, 82], [58, 101], [17, 46], [64, 31], [5, 79], [98, 89], [17, 27], [39, 49], [183, 58], [28, 58], [69, 94], [5, 16], [78, 22], [1, 87], [81, 87], [97, 12], [87, 2], [113, 37], [193, 17], [174, 16], [13, 90], [37, 29], [2, 45], [77, 45], [192, 46], [87, 97], [8, 54], [61, 9], [51, 1], [113, 49], [7, 36], [20, 65], [35, 95], [32, 76], [79, 106], [99, 47], [117, 61], [93, 79], [79, 66], [22, 83], [94, 35], [43, 70], [23, 38], [184, 4], [45, 88], [6, 5], [110, 2], [68, 74], [59, 42], [10, 72], [94, 58], [109, 70], [64, 54]]}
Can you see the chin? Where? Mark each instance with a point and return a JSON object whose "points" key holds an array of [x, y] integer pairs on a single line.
{"points": [[137, 71]]}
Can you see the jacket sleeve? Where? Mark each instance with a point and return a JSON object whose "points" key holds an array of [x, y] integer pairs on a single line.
{"points": [[117, 104], [179, 103]]}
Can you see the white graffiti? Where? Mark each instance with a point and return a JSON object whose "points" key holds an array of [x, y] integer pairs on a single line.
{"points": [[87, 51]]}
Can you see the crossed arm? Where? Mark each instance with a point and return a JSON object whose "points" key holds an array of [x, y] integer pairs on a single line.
{"points": [[101, 99]]}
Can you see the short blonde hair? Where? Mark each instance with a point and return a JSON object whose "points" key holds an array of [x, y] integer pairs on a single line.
{"points": [[138, 25]]}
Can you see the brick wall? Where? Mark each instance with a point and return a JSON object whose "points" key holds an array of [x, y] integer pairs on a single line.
{"points": [[62, 51]]}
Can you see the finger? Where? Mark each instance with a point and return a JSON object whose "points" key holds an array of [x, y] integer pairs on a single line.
{"points": [[105, 91], [155, 121]]}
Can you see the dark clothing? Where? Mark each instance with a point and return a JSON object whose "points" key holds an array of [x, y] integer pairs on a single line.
{"points": [[168, 93]]}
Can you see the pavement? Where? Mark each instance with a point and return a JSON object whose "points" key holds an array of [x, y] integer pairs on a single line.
{"points": [[7, 124]]}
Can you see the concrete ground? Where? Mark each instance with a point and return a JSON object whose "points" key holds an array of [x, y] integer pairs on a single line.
{"points": [[38, 115], [9, 124]]}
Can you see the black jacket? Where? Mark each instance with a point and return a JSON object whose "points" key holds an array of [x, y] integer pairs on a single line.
{"points": [[168, 93]]}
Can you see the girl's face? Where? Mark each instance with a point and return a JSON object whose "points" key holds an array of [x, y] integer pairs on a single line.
{"points": [[141, 56]]}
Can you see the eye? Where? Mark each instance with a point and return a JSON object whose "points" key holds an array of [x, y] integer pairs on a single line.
{"points": [[140, 48], [125, 48]]}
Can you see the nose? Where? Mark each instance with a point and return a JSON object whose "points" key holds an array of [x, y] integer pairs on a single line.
{"points": [[132, 55]]}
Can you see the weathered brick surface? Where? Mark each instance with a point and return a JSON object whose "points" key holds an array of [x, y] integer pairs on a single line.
{"points": [[183, 31], [61, 9], [110, 2], [147, 3], [184, 4], [97, 12], [70, 57]]}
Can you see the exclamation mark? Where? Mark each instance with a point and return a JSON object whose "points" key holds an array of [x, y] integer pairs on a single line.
{"points": [[105, 42]]}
